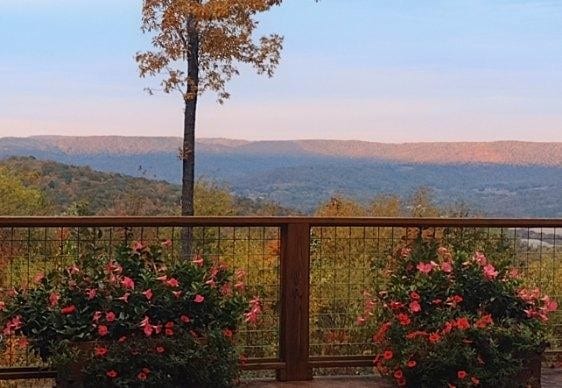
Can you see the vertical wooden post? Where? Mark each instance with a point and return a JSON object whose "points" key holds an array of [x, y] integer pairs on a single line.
{"points": [[295, 301]]}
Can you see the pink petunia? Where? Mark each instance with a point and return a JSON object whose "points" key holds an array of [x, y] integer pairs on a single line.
{"points": [[199, 298]]}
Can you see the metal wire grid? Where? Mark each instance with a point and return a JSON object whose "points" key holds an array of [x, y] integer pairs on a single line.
{"points": [[347, 261], [25, 252]]}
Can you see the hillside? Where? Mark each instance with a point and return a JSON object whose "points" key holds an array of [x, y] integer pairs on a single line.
{"points": [[510, 179], [73, 189]]}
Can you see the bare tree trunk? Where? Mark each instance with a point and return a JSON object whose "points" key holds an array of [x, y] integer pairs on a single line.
{"points": [[188, 149]]}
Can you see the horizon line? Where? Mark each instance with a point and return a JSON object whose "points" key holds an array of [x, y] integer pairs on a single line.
{"points": [[287, 140]]}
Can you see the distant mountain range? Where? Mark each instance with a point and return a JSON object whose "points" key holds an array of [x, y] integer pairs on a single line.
{"points": [[499, 178], [501, 152]]}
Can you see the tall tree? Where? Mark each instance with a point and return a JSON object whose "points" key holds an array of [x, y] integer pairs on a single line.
{"points": [[197, 47]]}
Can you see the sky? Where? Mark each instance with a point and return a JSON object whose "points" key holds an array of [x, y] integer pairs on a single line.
{"points": [[376, 70]]}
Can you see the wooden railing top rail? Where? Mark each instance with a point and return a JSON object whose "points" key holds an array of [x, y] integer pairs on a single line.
{"points": [[277, 221]]}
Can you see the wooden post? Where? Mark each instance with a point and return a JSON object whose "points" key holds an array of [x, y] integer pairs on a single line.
{"points": [[295, 301]]}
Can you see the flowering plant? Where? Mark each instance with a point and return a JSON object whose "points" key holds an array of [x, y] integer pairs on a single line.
{"points": [[457, 320], [145, 321]]}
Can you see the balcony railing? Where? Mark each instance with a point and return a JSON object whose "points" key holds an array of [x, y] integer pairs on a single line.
{"points": [[312, 274]]}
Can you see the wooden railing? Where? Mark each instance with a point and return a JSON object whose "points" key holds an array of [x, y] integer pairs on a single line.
{"points": [[295, 235]]}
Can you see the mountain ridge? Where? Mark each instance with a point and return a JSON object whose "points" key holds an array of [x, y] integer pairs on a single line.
{"points": [[507, 152]]}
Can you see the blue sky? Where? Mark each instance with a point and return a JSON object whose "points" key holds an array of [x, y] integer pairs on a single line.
{"points": [[379, 70]]}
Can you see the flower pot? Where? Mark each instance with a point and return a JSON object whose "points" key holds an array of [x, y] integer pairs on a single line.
{"points": [[531, 373], [71, 375]]}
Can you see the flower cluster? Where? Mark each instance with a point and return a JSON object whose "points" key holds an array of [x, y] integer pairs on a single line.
{"points": [[456, 320], [134, 298]]}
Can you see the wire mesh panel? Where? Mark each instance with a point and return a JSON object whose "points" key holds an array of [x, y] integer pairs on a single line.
{"points": [[26, 253], [350, 264]]}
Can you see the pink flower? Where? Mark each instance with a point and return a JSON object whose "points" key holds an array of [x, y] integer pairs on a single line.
{"points": [[447, 267], [54, 299], [68, 310], [240, 286], [529, 295], [252, 316], [138, 246], [462, 323], [111, 374], [166, 243], [172, 282], [490, 272], [147, 327], [73, 269], [198, 261], [424, 267], [415, 306], [100, 351], [177, 294], [361, 321], [484, 321], [148, 294], [199, 298], [414, 295], [128, 283], [480, 258], [405, 252], [91, 293], [114, 267], [434, 338], [228, 333], [404, 319], [96, 317], [39, 277], [387, 355], [125, 297], [102, 330], [110, 316], [444, 253], [550, 304], [14, 324], [185, 319], [454, 300]]}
